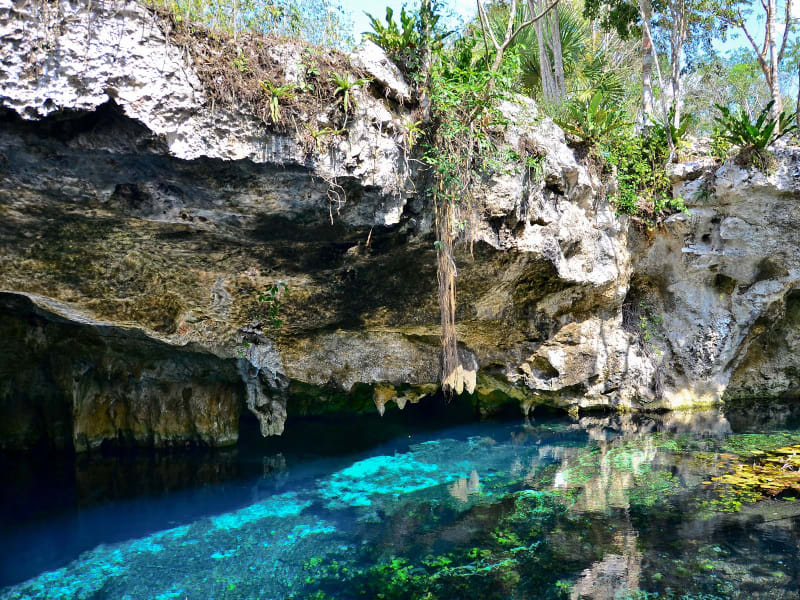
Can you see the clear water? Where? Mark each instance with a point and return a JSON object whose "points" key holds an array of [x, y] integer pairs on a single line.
{"points": [[603, 507]]}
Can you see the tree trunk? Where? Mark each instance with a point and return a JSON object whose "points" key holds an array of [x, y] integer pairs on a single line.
{"points": [[676, 86], [426, 15], [677, 37], [558, 59], [646, 10], [774, 83], [797, 114], [545, 68]]}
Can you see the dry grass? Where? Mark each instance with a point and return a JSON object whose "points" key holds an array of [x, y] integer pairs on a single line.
{"points": [[238, 74]]}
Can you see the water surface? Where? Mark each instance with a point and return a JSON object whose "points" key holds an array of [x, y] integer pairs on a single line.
{"points": [[671, 506]]}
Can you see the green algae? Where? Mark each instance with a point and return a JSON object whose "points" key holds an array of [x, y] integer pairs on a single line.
{"points": [[758, 442], [758, 475], [490, 570]]}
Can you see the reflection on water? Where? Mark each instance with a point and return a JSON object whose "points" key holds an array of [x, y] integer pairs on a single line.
{"points": [[614, 575], [620, 506]]}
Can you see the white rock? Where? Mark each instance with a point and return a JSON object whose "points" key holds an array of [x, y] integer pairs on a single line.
{"points": [[371, 58]]}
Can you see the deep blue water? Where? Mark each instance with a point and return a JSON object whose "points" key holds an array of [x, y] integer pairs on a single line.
{"points": [[601, 507]]}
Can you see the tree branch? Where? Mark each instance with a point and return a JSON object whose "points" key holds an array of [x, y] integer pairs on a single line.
{"points": [[664, 111], [511, 32], [762, 62], [483, 32], [786, 28], [511, 35], [530, 21], [485, 25], [512, 14]]}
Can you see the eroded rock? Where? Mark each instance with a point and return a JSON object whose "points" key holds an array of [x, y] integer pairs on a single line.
{"points": [[67, 381], [130, 203]]}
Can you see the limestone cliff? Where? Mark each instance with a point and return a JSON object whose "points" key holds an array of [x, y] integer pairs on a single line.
{"points": [[726, 279], [139, 221]]}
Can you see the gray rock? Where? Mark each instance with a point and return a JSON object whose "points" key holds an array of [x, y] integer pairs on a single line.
{"points": [[139, 214], [725, 282]]}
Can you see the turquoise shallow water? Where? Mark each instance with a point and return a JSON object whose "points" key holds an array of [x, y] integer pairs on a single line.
{"points": [[603, 507]]}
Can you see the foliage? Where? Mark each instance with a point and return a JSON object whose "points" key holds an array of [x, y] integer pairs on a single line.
{"points": [[321, 22], [720, 145], [643, 185], [590, 63], [269, 304], [649, 322], [276, 93], [462, 121], [412, 131], [618, 15], [697, 19], [460, 147], [319, 134], [535, 165], [238, 73], [345, 84], [593, 120], [739, 130], [734, 81], [678, 135], [573, 32], [464, 96], [403, 42]]}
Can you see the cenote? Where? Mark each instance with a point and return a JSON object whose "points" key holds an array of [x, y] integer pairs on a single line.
{"points": [[476, 307], [679, 505]]}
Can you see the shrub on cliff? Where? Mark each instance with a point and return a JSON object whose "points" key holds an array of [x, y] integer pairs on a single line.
{"points": [[753, 137], [261, 60]]}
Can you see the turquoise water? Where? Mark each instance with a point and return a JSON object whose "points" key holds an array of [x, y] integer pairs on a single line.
{"points": [[601, 507]]}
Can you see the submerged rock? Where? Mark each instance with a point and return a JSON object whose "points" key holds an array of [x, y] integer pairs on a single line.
{"points": [[141, 215]]}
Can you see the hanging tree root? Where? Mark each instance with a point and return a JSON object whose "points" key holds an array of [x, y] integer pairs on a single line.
{"points": [[455, 378]]}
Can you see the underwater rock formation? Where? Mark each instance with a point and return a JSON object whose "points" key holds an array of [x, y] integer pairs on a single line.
{"points": [[141, 221]]}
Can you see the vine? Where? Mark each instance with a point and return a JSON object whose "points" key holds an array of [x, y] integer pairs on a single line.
{"points": [[460, 149], [459, 99]]}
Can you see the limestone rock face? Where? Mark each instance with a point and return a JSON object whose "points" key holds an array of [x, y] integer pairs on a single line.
{"points": [[79, 383], [73, 56], [142, 228], [725, 280], [373, 59]]}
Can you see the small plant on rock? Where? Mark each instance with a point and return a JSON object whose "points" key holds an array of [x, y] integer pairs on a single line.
{"points": [[720, 145], [412, 130], [394, 37], [593, 120], [678, 135], [240, 62], [345, 85], [404, 42], [269, 303], [319, 134], [754, 137], [275, 94]]}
